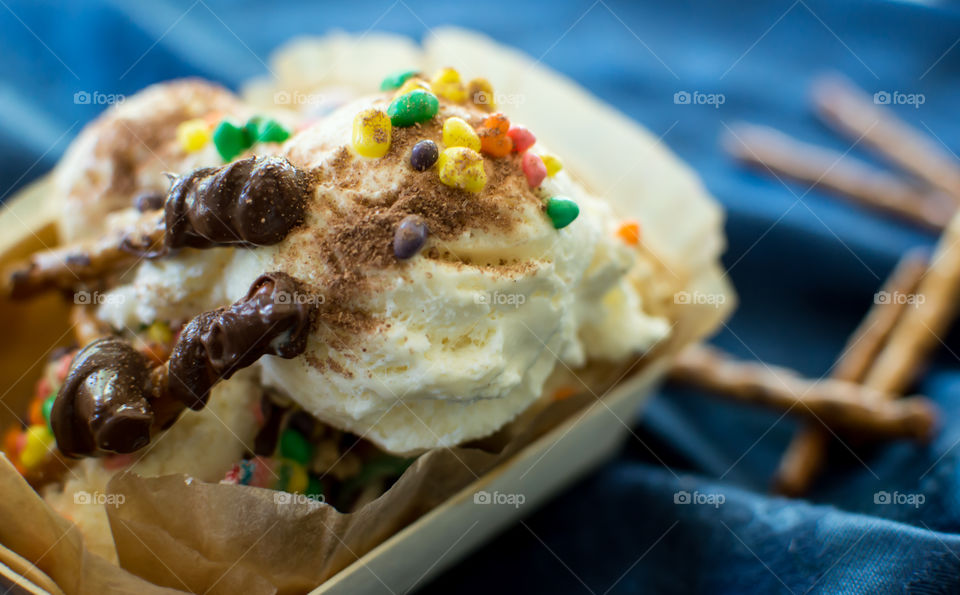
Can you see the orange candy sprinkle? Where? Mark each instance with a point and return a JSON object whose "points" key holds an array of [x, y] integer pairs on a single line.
{"points": [[35, 413], [564, 392], [493, 136], [12, 442], [498, 123], [629, 232]]}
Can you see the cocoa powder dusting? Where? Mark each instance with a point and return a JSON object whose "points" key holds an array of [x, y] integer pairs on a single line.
{"points": [[358, 238]]}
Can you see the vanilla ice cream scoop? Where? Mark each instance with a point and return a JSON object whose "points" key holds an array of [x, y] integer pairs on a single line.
{"points": [[436, 345]]}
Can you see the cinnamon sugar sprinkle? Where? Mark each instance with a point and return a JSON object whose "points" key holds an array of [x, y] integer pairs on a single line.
{"points": [[358, 238]]}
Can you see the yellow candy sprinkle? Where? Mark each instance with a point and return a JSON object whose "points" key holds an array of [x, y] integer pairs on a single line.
{"points": [[446, 83], [460, 167], [445, 75], [39, 443], [411, 85], [480, 93], [553, 164], [457, 133], [193, 135], [159, 332], [371, 133], [299, 480]]}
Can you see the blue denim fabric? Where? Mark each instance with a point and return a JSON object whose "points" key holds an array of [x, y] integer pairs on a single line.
{"points": [[806, 265]]}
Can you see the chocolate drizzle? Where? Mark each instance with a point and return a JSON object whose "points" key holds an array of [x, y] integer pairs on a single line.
{"points": [[111, 399], [273, 319], [252, 202], [102, 405]]}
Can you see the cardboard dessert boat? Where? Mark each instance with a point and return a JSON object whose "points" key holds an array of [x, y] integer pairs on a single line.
{"points": [[608, 153]]}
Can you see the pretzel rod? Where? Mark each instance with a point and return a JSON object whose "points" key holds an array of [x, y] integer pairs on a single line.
{"points": [[113, 400], [918, 331], [843, 405], [807, 451], [250, 202], [844, 107], [772, 150], [68, 266], [914, 332]]}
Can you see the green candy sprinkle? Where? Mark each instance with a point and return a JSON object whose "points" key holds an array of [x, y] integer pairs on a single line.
{"points": [[295, 447], [47, 407], [266, 130], [416, 106], [231, 140], [314, 487], [562, 211], [396, 79]]}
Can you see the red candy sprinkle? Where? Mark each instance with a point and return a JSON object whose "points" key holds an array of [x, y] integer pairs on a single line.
{"points": [[63, 367], [522, 138], [534, 169]]}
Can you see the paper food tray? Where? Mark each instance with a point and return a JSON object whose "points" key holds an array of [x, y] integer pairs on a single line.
{"points": [[691, 243]]}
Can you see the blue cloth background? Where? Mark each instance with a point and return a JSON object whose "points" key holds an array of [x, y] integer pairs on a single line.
{"points": [[806, 265]]}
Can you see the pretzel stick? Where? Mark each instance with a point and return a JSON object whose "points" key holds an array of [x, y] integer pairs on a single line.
{"points": [[844, 107], [772, 150], [250, 202], [843, 405], [68, 266], [918, 331], [806, 453]]}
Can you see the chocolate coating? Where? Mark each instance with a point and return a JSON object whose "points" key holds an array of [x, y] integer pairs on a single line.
{"points": [[270, 320], [409, 237], [254, 202], [423, 155], [149, 200], [102, 405]]}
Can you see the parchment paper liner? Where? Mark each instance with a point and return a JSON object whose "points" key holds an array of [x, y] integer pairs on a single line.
{"points": [[214, 538]]}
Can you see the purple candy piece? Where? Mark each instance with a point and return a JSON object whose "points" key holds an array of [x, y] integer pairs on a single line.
{"points": [[409, 237], [424, 155]]}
